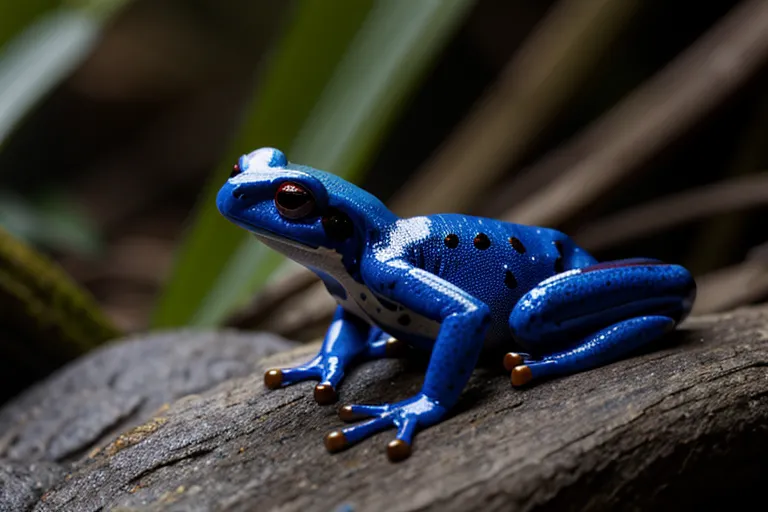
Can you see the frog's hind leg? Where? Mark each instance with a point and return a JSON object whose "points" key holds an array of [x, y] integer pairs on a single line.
{"points": [[610, 309]]}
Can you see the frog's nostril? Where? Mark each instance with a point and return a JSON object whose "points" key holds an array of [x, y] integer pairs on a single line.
{"points": [[239, 193]]}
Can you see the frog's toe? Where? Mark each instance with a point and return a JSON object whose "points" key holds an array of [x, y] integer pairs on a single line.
{"points": [[396, 348], [336, 441], [513, 359], [419, 411], [273, 378], [325, 394], [398, 450], [358, 412], [356, 433], [276, 378], [521, 375]]}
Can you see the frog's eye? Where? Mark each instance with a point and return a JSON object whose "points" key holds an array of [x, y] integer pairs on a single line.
{"points": [[294, 201], [235, 171]]}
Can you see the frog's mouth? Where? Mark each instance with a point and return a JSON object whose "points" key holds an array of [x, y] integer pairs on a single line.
{"points": [[309, 255], [266, 235], [272, 239]]}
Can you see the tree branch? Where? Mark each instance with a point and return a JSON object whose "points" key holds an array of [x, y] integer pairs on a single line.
{"points": [[682, 426]]}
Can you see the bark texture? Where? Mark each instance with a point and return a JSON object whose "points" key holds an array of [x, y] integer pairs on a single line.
{"points": [[108, 391], [682, 424]]}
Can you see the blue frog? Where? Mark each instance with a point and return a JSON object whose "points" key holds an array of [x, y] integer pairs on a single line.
{"points": [[449, 285]]}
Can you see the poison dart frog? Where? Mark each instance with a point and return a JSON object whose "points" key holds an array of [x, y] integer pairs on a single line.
{"points": [[450, 285]]}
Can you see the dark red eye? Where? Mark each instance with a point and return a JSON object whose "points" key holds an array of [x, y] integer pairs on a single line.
{"points": [[294, 201], [235, 171]]}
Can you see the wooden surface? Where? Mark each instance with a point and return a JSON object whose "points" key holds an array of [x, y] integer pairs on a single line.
{"points": [[684, 424]]}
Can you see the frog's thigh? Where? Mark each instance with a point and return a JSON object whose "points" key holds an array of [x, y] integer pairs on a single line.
{"points": [[564, 309]]}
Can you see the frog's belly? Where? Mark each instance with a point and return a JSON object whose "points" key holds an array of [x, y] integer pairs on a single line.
{"points": [[405, 324], [390, 316], [393, 318]]}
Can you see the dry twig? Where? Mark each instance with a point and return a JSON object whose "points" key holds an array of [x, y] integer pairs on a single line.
{"points": [[657, 113], [735, 194], [544, 73]]}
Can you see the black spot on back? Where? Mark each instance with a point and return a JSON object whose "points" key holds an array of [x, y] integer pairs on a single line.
{"points": [[517, 244], [509, 279], [482, 241], [451, 241], [404, 319], [559, 265]]}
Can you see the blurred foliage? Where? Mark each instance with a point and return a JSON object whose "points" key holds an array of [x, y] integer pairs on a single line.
{"points": [[41, 42], [46, 318], [357, 60], [51, 221]]}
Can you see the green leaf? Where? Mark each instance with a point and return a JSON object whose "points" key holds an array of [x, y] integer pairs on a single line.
{"points": [[39, 47], [334, 88], [16, 16], [51, 221]]}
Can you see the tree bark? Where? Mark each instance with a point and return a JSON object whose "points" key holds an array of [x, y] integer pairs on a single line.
{"points": [[683, 424]]}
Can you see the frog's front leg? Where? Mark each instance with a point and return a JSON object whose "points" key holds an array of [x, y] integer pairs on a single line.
{"points": [[348, 340], [464, 321], [609, 309]]}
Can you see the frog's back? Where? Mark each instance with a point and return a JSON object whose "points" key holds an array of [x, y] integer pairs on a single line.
{"points": [[495, 261]]}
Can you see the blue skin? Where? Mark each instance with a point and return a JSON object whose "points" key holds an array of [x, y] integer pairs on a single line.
{"points": [[447, 284]]}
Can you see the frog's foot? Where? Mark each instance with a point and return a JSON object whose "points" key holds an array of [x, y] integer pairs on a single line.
{"points": [[595, 350], [329, 367], [420, 411], [517, 363], [325, 369]]}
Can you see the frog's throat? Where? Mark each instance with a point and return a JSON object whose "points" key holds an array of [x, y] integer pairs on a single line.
{"points": [[329, 262], [314, 257]]}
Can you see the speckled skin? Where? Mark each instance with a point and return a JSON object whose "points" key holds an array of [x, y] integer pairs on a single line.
{"points": [[450, 284]]}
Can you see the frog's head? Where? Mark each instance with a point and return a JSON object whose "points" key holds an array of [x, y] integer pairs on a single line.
{"points": [[298, 210]]}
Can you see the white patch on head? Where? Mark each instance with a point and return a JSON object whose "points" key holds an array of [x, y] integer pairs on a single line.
{"points": [[266, 164], [260, 159]]}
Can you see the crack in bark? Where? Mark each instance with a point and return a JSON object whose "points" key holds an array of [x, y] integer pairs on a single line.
{"points": [[191, 455]]}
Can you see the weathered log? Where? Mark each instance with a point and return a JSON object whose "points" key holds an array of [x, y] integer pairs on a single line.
{"points": [[120, 386], [22, 483], [684, 424]]}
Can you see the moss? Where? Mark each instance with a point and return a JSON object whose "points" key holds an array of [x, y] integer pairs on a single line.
{"points": [[55, 317], [134, 436]]}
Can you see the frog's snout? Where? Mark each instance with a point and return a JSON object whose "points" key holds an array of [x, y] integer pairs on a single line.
{"points": [[235, 198], [239, 193], [246, 193]]}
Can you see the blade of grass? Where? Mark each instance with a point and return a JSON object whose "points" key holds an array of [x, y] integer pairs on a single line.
{"points": [[309, 49], [378, 53], [36, 58], [358, 104], [16, 16]]}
